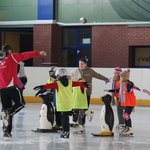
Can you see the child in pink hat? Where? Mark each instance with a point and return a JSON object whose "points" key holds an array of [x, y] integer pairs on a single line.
{"points": [[115, 86]]}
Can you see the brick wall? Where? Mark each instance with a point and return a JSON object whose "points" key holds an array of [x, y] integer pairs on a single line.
{"points": [[110, 44], [139, 36], [47, 38]]}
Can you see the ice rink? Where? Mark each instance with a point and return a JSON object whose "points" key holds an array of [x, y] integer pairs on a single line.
{"points": [[28, 119]]}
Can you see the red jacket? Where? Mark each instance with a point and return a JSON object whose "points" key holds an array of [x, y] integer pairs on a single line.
{"points": [[8, 68]]}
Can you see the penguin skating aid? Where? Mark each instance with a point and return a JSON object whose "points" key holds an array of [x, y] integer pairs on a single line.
{"points": [[47, 114], [106, 118]]}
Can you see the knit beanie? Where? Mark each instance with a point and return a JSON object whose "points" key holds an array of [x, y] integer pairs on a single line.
{"points": [[118, 70]]}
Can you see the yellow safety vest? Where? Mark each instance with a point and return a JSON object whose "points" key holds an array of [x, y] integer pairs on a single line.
{"points": [[79, 99], [64, 97]]}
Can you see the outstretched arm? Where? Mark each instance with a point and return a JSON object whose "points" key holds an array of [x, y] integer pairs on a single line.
{"points": [[146, 91], [18, 57], [112, 90], [99, 76], [80, 84], [53, 85], [47, 86]]}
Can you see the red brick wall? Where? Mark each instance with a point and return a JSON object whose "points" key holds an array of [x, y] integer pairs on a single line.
{"points": [[110, 44], [139, 36], [47, 38], [56, 44]]}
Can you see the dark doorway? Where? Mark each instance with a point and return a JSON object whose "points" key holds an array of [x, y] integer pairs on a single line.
{"points": [[20, 39], [26, 44]]}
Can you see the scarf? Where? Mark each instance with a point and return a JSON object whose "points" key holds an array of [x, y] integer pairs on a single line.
{"points": [[122, 92]]}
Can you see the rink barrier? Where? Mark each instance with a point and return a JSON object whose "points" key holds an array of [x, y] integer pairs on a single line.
{"points": [[139, 76], [33, 99]]}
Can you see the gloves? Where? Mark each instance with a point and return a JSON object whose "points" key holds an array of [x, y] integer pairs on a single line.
{"points": [[41, 91], [39, 87], [106, 81], [136, 88]]}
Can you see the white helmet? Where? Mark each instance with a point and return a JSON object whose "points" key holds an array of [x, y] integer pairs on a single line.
{"points": [[61, 72], [75, 75]]}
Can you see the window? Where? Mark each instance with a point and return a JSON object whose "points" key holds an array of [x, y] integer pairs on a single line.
{"points": [[140, 56], [76, 45]]}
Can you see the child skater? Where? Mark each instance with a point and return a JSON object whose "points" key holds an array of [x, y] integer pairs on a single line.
{"points": [[128, 100], [115, 94], [79, 100], [63, 87]]}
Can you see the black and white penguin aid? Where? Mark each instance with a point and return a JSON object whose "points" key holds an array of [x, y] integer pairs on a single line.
{"points": [[47, 114], [106, 117]]}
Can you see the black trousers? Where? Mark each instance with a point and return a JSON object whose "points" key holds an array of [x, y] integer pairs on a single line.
{"points": [[65, 121], [58, 118], [12, 98], [88, 99], [128, 111]]}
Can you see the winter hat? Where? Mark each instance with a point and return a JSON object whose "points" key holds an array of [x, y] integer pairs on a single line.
{"points": [[75, 75], [125, 74], [61, 72], [118, 70]]}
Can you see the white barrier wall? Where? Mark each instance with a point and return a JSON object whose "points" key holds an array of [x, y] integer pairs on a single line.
{"points": [[39, 75]]}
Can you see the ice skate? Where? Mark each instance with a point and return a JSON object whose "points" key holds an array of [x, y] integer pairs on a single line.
{"points": [[5, 115], [127, 132], [7, 136], [65, 134], [89, 115], [120, 127], [123, 130], [79, 130]]}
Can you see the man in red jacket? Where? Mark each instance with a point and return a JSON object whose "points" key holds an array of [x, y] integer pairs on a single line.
{"points": [[11, 96]]}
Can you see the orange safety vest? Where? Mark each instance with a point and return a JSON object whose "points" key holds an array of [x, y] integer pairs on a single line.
{"points": [[117, 87], [130, 99]]}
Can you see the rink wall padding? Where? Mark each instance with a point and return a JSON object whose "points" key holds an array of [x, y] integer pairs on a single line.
{"points": [[32, 99], [139, 76]]}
